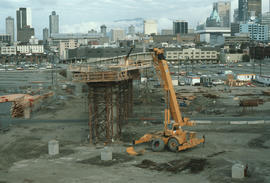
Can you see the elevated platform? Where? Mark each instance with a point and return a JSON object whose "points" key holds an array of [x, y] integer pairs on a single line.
{"points": [[108, 71]]}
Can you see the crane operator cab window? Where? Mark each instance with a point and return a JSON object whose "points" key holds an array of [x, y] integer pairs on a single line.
{"points": [[170, 126]]}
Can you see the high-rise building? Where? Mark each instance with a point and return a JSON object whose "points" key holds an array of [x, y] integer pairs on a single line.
{"points": [[234, 28], [213, 20], [131, 30], [54, 23], [235, 15], [25, 34], [180, 27], [10, 28], [266, 21], [117, 34], [242, 10], [224, 10], [24, 18], [254, 9], [24, 25], [103, 30], [45, 35], [150, 27], [256, 31]]}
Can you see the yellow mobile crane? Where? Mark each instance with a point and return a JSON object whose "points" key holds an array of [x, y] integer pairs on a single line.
{"points": [[173, 135]]}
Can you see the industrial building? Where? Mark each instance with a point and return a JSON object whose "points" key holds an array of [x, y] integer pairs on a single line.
{"points": [[65, 46], [179, 38], [213, 35], [97, 53], [8, 50], [205, 55], [237, 39], [256, 32], [22, 49]]}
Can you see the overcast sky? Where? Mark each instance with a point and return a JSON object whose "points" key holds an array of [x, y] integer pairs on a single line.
{"points": [[83, 15]]}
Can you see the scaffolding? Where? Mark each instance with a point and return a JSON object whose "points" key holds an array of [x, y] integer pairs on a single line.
{"points": [[110, 95]]}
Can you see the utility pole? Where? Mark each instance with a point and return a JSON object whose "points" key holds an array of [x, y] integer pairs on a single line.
{"points": [[178, 67], [52, 57]]}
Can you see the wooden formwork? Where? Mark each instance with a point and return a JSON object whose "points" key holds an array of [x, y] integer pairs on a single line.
{"points": [[110, 104]]}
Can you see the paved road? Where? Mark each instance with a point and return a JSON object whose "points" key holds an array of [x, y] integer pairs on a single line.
{"points": [[6, 122]]}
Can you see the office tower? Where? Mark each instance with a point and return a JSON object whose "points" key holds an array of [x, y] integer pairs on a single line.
{"points": [[24, 18], [54, 23], [103, 30], [235, 26], [45, 35], [10, 28], [266, 21], [180, 27], [254, 8], [24, 25], [150, 27], [242, 10], [235, 16], [117, 34], [213, 20], [224, 10]]}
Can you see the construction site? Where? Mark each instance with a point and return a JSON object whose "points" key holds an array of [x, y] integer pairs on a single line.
{"points": [[130, 119]]}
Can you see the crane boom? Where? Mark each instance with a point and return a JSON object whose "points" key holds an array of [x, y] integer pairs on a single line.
{"points": [[173, 135], [163, 68]]}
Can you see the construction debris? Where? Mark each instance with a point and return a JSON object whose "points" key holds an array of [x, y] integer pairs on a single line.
{"points": [[175, 166], [251, 102], [267, 93], [236, 82], [209, 95]]}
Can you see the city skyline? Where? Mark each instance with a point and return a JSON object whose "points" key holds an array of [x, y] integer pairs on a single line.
{"points": [[72, 20]]}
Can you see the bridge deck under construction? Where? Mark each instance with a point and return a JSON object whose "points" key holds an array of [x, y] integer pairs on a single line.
{"points": [[110, 92]]}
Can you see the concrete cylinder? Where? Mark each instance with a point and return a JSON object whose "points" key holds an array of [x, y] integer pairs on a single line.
{"points": [[106, 154], [238, 171], [53, 147]]}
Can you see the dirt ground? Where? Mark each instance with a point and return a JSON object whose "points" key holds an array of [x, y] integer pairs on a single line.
{"points": [[24, 156], [24, 148]]}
